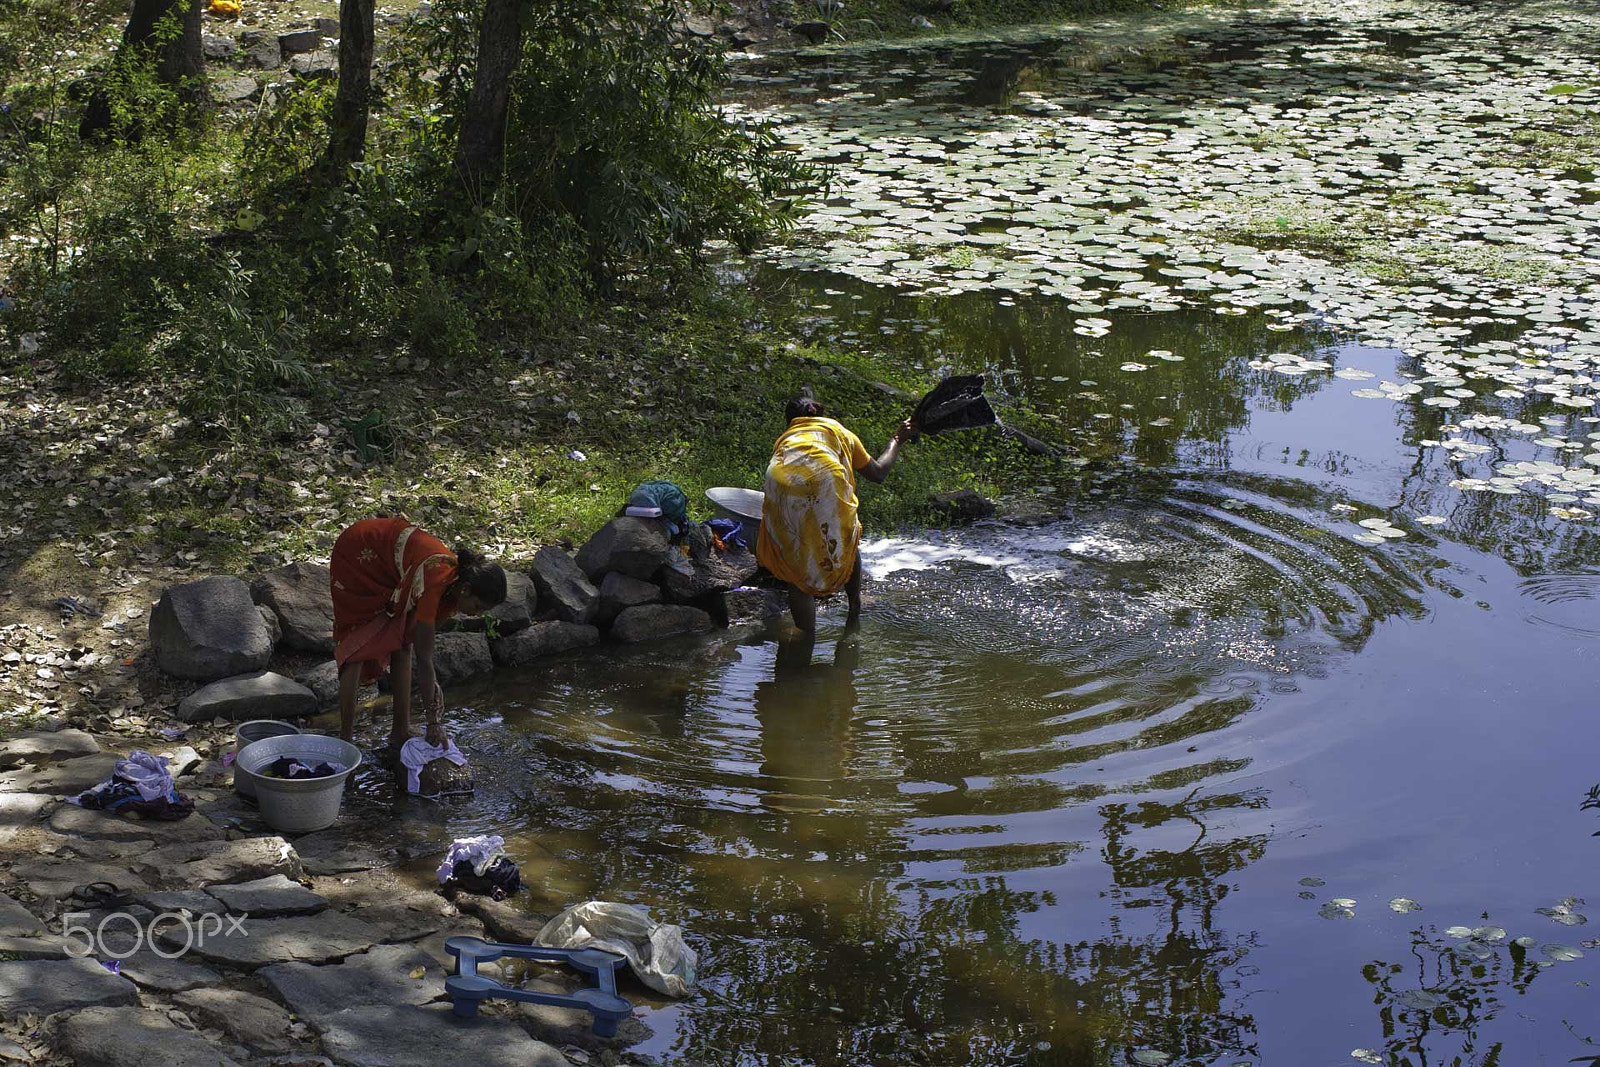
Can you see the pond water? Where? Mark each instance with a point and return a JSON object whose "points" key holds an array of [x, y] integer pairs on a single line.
{"points": [[1269, 747]]}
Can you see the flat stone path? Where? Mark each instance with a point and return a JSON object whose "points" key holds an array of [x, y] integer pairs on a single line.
{"points": [[308, 958]]}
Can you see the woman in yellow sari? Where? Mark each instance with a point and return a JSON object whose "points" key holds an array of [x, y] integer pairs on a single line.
{"points": [[809, 529]]}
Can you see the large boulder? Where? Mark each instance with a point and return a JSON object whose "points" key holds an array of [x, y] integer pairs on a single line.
{"points": [[209, 629], [542, 639], [618, 592], [651, 622], [269, 619], [296, 41], [300, 596], [260, 695], [315, 66], [564, 589], [459, 656], [962, 505], [717, 572], [755, 605], [635, 547], [516, 611], [323, 681], [261, 48]]}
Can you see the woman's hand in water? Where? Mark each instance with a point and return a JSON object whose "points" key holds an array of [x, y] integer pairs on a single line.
{"points": [[436, 735]]}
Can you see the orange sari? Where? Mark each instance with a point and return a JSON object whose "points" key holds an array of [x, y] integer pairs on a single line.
{"points": [[386, 576]]}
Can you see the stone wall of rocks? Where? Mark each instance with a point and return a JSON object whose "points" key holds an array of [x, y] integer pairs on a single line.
{"points": [[629, 583]]}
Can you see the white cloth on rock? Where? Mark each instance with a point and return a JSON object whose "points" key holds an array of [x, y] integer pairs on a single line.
{"points": [[481, 850], [655, 951], [416, 754]]}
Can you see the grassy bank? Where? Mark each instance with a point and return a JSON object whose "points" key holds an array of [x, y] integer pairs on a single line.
{"points": [[485, 450]]}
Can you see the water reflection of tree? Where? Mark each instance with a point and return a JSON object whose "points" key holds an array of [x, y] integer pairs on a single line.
{"points": [[939, 971], [1029, 344], [1518, 528], [1432, 1007]]}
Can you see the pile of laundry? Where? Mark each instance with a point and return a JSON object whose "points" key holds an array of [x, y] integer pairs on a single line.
{"points": [[480, 865], [289, 767], [139, 783]]}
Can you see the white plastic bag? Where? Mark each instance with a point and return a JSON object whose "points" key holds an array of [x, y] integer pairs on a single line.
{"points": [[655, 951]]}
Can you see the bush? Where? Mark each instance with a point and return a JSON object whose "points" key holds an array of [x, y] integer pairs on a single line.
{"points": [[215, 254], [614, 134]]}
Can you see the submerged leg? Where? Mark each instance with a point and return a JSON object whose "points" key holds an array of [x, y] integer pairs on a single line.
{"points": [[400, 672], [852, 590], [803, 607], [349, 685]]}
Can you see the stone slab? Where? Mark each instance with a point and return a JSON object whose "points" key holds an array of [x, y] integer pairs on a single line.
{"points": [[209, 862], [269, 897], [135, 1037], [18, 921], [82, 822], [54, 878], [377, 977], [44, 987], [250, 1020], [20, 811], [151, 970], [401, 1035], [68, 778], [303, 938], [37, 745], [49, 947]]}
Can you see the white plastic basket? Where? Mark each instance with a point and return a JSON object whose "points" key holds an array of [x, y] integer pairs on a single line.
{"points": [[298, 805], [256, 730]]}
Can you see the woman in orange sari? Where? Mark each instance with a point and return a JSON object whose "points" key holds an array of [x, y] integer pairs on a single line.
{"points": [[392, 584]]}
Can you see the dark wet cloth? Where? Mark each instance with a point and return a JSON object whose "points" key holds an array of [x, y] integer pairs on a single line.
{"points": [[729, 531], [957, 403], [499, 880], [289, 767]]}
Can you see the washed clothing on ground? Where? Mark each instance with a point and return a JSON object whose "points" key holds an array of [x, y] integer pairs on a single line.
{"points": [[809, 529]]}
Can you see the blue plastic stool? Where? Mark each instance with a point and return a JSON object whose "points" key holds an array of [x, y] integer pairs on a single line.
{"points": [[467, 988]]}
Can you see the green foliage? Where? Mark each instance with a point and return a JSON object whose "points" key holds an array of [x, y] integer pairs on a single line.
{"points": [[615, 137], [216, 256]]}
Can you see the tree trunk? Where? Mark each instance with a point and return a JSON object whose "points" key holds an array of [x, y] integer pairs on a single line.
{"points": [[347, 139], [482, 143], [180, 61]]}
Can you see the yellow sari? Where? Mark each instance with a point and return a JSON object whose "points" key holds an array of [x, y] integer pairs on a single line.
{"points": [[809, 529]]}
